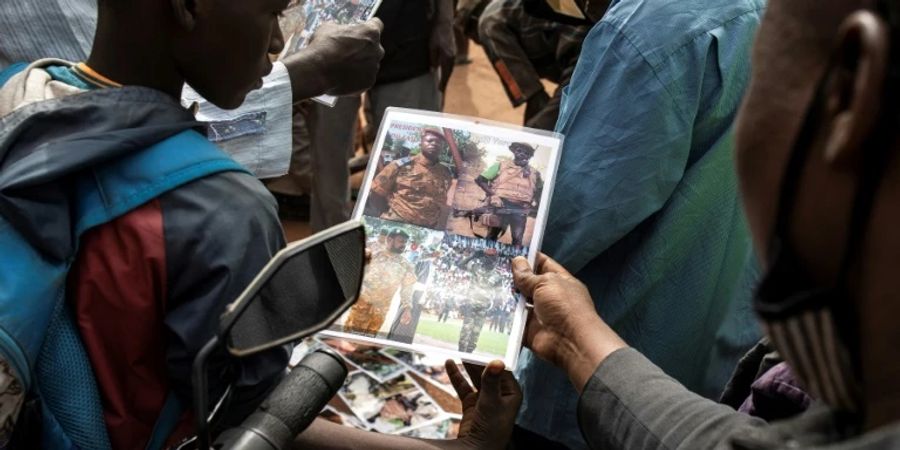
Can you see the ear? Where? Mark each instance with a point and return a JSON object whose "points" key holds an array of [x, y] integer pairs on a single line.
{"points": [[185, 12], [855, 86]]}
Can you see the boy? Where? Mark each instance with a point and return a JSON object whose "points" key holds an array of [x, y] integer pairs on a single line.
{"points": [[147, 287]]}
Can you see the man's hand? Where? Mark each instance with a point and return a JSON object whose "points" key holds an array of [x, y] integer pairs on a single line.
{"points": [[488, 417], [490, 412], [564, 327], [340, 60]]}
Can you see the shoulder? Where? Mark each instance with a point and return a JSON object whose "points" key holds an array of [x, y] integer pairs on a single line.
{"points": [[507, 164], [224, 217], [660, 29], [227, 193], [402, 162], [395, 166]]}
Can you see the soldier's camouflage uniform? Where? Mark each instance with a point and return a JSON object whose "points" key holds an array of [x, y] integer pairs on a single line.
{"points": [[386, 273], [478, 301], [416, 190], [516, 188]]}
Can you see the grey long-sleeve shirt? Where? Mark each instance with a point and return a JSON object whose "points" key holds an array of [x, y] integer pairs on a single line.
{"points": [[629, 403]]}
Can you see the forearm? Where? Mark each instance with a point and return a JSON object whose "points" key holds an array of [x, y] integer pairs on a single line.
{"points": [[325, 435], [630, 403], [484, 185], [307, 78]]}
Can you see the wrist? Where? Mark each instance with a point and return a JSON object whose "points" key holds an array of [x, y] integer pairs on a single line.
{"points": [[307, 80], [587, 349]]}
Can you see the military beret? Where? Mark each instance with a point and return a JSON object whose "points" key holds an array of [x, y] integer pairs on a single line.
{"points": [[435, 131]]}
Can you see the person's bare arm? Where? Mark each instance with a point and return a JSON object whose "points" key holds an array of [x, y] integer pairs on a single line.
{"points": [[488, 418], [340, 60], [485, 185], [626, 401], [326, 435]]}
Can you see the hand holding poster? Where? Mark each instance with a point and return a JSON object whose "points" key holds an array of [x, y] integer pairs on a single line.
{"points": [[302, 18], [448, 202]]}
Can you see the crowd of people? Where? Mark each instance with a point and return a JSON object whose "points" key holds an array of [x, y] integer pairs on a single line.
{"points": [[722, 236]]}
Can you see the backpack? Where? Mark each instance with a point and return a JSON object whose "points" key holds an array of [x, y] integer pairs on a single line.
{"points": [[38, 334]]}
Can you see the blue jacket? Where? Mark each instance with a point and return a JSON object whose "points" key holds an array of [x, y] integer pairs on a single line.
{"points": [[163, 230]]}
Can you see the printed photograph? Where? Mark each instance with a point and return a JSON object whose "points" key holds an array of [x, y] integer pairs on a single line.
{"points": [[367, 400], [340, 418], [427, 366], [303, 17], [466, 182], [368, 358], [425, 289], [448, 202], [391, 406], [442, 429]]}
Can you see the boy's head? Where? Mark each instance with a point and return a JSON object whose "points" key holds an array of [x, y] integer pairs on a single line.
{"points": [[220, 47], [820, 66]]}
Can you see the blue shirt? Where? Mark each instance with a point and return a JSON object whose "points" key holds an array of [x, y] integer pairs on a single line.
{"points": [[646, 209]]}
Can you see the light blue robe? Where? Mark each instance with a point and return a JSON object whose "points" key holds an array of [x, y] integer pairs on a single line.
{"points": [[646, 209]]}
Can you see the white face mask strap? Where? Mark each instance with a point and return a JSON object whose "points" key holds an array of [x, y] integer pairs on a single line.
{"points": [[810, 345]]}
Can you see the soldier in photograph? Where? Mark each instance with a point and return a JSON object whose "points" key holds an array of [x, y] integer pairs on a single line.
{"points": [[407, 321], [513, 190], [387, 272], [414, 189], [479, 298]]}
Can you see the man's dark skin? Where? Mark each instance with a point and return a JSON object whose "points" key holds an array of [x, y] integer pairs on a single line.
{"points": [[397, 244], [431, 145], [794, 46], [221, 48]]}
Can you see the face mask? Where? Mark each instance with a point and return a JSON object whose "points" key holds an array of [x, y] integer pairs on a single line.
{"points": [[815, 328]]}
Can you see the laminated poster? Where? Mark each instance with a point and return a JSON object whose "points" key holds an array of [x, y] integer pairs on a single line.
{"points": [[448, 201]]}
